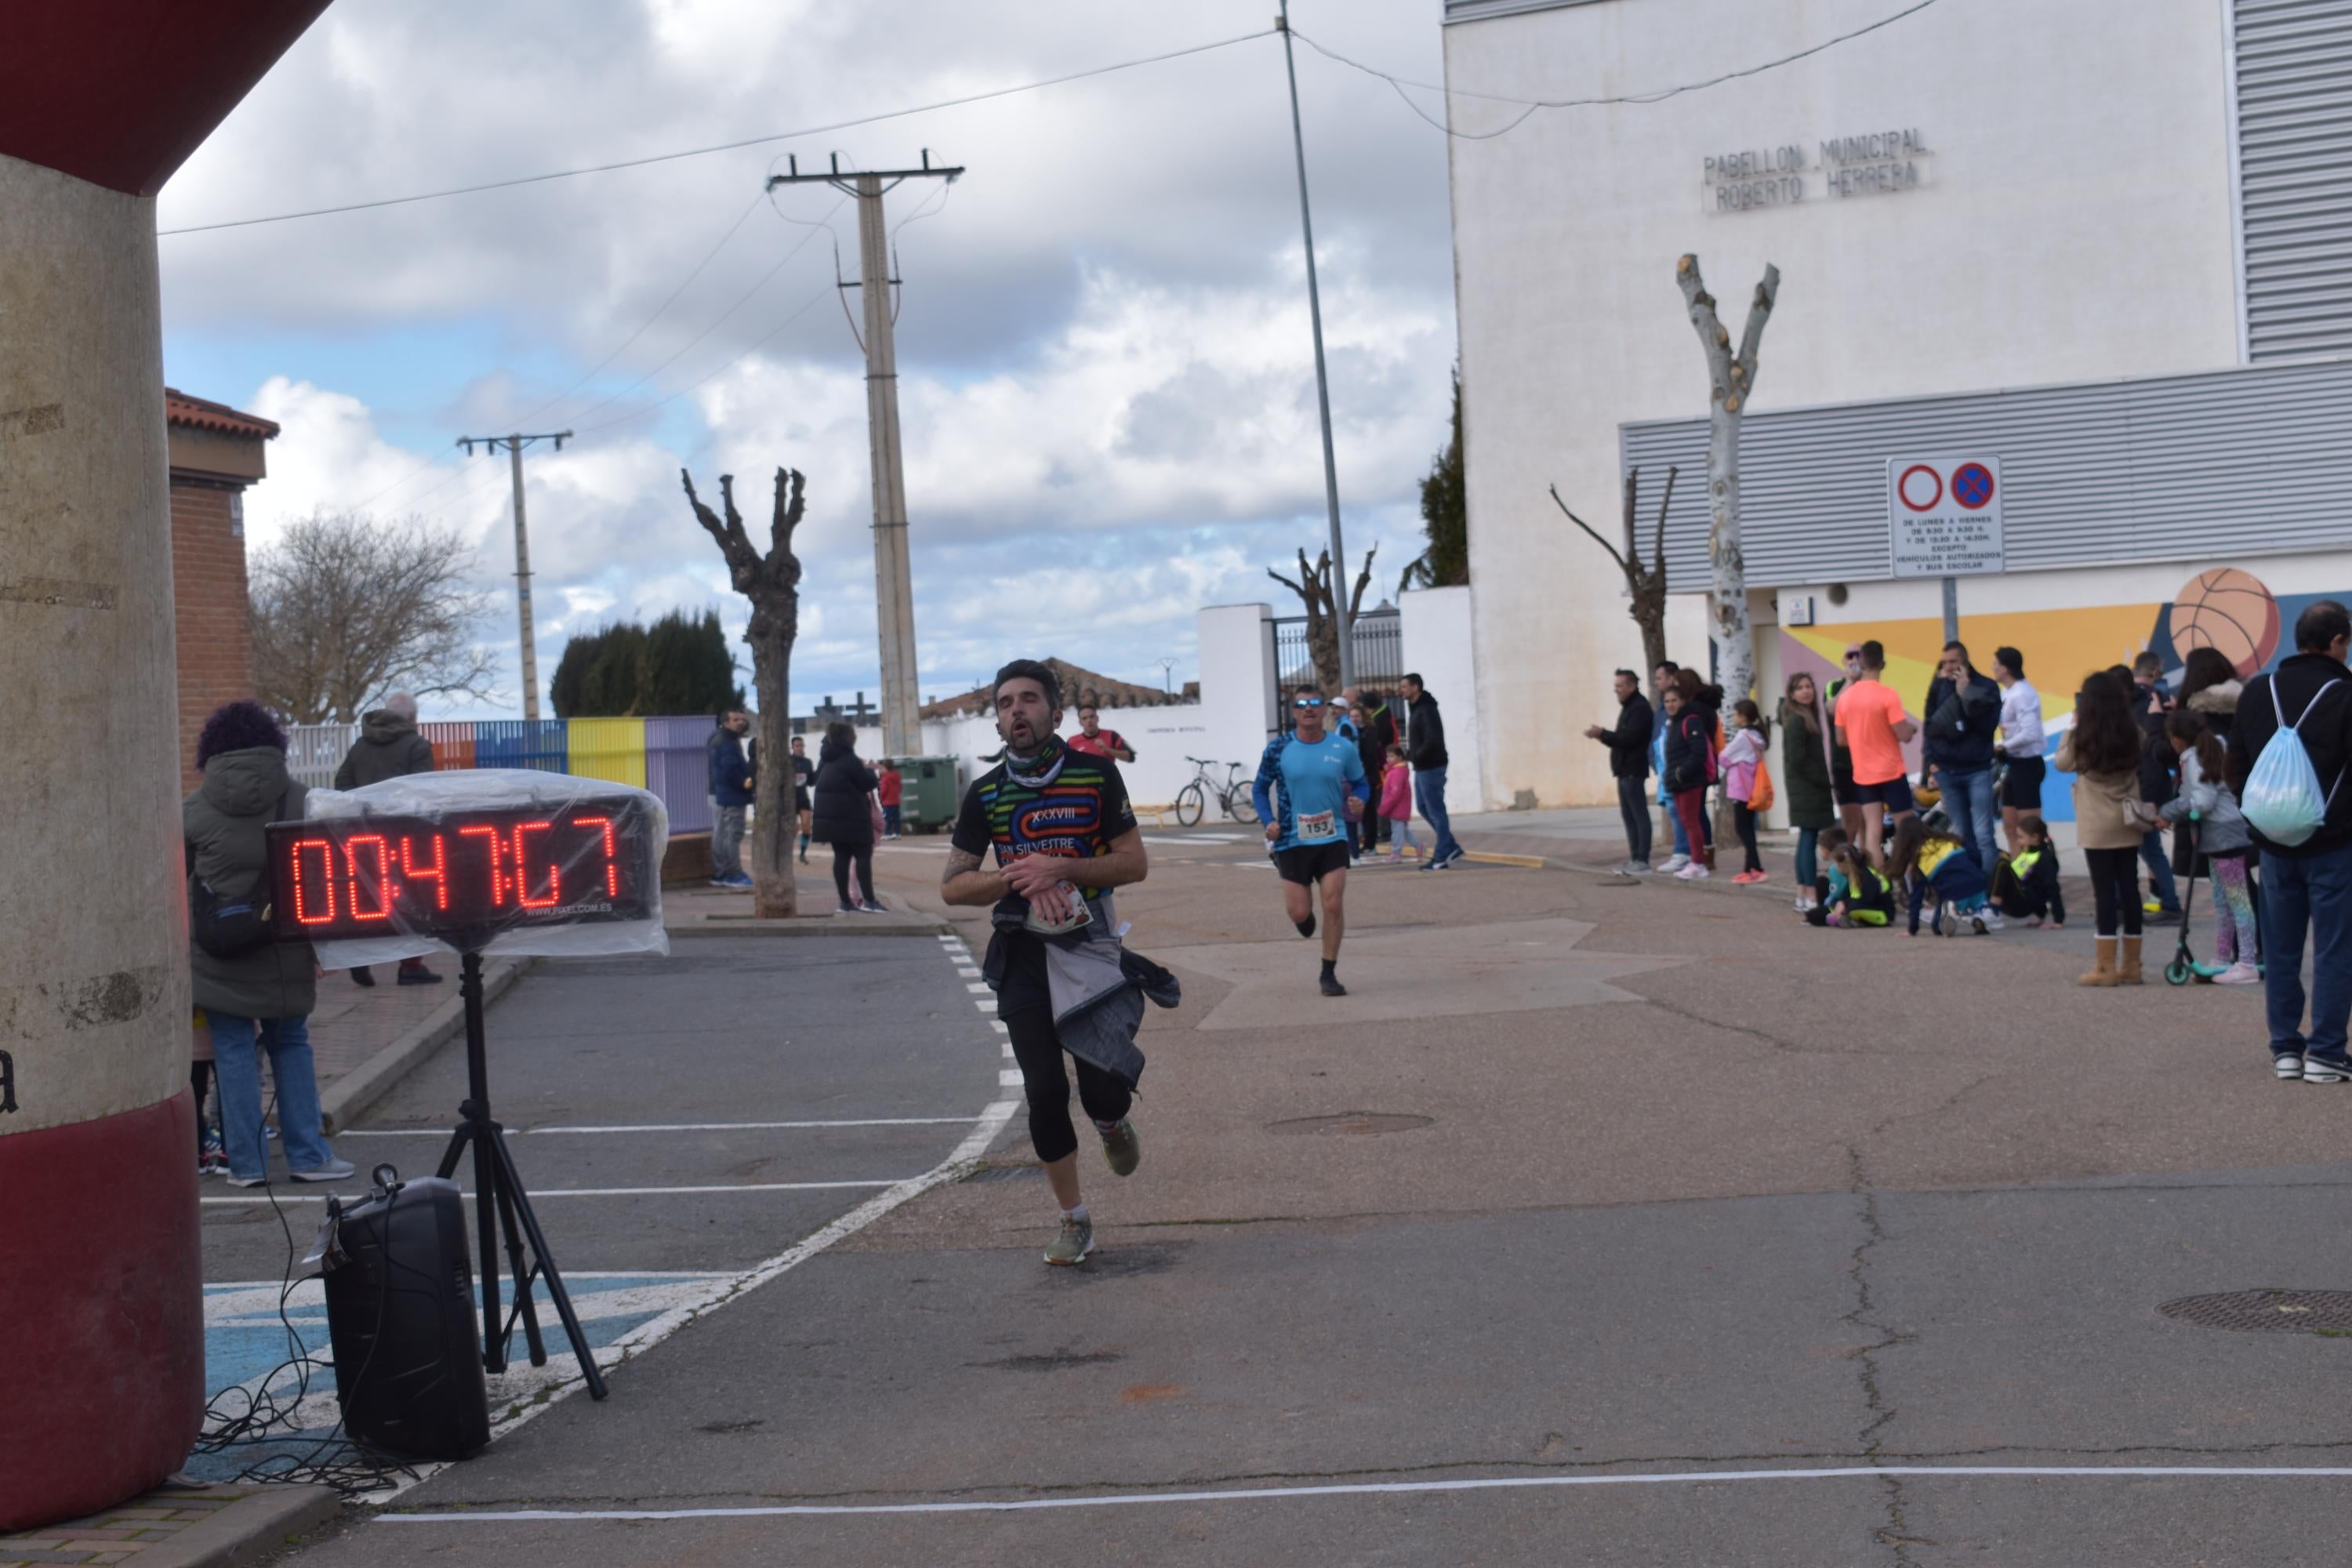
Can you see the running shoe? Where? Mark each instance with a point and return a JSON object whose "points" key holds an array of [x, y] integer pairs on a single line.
{"points": [[1306, 926], [1638, 868], [2239, 975], [332, 1170], [2318, 1069], [1747, 879], [1693, 872], [846, 910], [1332, 986], [1121, 1147], [212, 1157], [1077, 1240], [870, 907], [1674, 863], [1989, 919], [1457, 856], [739, 881], [236, 1181], [2288, 1065]]}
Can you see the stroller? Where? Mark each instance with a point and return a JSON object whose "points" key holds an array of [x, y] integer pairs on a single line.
{"points": [[2185, 966]]}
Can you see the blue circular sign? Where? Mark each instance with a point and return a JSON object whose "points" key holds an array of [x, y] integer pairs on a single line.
{"points": [[1972, 486]]}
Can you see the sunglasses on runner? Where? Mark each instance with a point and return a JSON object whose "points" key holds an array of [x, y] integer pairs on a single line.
{"points": [[1306, 702]]}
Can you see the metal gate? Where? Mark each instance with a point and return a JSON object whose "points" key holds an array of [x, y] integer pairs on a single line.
{"points": [[1378, 648]]}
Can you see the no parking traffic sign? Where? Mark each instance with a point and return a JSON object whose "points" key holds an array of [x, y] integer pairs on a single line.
{"points": [[1943, 516]]}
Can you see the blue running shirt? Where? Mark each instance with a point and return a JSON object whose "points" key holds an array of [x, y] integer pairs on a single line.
{"points": [[1303, 788]]}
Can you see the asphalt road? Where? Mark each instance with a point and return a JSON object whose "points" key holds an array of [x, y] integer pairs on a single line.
{"points": [[1601, 1223]]}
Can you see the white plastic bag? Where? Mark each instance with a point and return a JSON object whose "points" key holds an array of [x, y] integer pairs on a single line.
{"points": [[2283, 802]]}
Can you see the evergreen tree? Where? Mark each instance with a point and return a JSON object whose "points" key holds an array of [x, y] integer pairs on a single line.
{"points": [[1444, 515], [600, 672], [688, 666]]}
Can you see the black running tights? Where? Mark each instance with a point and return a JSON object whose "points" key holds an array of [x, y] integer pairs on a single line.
{"points": [[1745, 820], [863, 854], [1039, 1051], [2114, 884]]}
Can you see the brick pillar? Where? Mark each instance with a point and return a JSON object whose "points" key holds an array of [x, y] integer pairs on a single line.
{"points": [[214, 636]]}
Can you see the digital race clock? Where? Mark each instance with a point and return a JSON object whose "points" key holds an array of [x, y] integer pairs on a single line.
{"points": [[466, 872]]}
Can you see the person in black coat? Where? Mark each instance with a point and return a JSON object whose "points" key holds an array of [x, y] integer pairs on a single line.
{"points": [[1628, 765], [842, 817]]}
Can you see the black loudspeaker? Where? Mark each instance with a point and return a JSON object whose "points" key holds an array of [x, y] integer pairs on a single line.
{"points": [[400, 1309]]}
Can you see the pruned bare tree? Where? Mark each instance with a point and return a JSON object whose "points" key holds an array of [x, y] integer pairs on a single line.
{"points": [[1731, 380], [1317, 589], [772, 583], [1645, 583], [348, 608]]}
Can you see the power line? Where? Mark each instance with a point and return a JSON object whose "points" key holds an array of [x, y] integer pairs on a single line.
{"points": [[724, 146], [1529, 105], [799, 310]]}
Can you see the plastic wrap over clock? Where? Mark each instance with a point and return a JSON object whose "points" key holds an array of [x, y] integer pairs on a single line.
{"points": [[494, 860]]}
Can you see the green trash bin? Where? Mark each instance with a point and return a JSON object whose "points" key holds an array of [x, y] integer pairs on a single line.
{"points": [[930, 792]]}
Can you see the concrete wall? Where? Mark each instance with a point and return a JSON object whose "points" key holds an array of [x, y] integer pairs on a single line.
{"points": [[1440, 646], [2073, 221]]}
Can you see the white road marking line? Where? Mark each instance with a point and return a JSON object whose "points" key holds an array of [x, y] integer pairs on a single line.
{"points": [[1252, 864], [589, 1192], [1194, 839], [1010, 1078], [680, 1127], [985, 1002], [1391, 1489], [966, 970], [976, 987], [998, 1025], [1008, 1051]]}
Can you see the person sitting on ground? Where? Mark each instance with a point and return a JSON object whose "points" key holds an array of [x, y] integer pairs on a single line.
{"points": [[1742, 759], [2219, 830], [1930, 863], [1854, 894], [1396, 804], [2026, 886], [2101, 750]]}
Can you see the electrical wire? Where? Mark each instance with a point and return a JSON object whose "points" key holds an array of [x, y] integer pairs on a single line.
{"points": [[802, 309], [725, 146], [1529, 105]]}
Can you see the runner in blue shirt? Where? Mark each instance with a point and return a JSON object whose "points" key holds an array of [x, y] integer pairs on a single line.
{"points": [[1310, 787]]}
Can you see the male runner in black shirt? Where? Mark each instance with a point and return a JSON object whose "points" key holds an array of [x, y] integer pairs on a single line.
{"points": [[1060, 825]]}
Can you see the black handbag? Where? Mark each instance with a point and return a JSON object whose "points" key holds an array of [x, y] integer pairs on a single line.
{"points": [[228, 927]]}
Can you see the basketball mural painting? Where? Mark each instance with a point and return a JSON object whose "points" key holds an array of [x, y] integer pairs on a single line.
{"points": [[2223, 607]]}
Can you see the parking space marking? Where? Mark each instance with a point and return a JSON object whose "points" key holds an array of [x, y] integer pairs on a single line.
{"points": [[1393, 1488], [678, 1127], [538, 1193], [1194, 839]]}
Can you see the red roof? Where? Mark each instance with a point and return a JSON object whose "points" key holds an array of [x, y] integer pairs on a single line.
{"points": [[201, 413]]}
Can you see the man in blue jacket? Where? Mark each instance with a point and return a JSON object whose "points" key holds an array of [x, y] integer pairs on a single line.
{"points": [[1962, 711], [730, 793]]}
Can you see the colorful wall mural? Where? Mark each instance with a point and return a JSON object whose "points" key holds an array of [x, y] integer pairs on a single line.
{"points": [[2224, 608]]}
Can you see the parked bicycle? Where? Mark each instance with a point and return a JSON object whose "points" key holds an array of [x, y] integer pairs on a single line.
{"points": [[1232, 794]]}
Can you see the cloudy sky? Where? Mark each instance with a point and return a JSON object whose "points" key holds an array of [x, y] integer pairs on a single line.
{"points": [[1108, 388]]}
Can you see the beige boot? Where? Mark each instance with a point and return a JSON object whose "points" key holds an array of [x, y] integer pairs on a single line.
{"points": [[2127, 969], [2104, 973]]}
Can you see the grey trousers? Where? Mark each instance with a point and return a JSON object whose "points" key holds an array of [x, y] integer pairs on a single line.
{"points": [[727, 842]]}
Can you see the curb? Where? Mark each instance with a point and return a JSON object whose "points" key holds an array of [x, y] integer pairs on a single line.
{"points": [[244, 1525], [805, 925], [343, 1101], [1496, 857]]}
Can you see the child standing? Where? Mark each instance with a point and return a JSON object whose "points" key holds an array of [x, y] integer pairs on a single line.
{"points": [[2025, 884], [1742, 754], [1924, 860], [2218, 829], [1396, 804]]}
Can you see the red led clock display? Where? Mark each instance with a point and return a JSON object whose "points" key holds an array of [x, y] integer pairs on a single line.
{"points": [[474, 871]]}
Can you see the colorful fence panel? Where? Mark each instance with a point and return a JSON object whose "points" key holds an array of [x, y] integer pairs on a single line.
{"points": [[522, 743], [452, 742], [611, 748], [677, 769], [313, 751]]}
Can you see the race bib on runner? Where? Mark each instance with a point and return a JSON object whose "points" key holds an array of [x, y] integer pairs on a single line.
{"points": [[1316, 825]]}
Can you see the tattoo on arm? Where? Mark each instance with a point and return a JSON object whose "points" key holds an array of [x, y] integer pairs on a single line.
{"points": [[959, 862]]}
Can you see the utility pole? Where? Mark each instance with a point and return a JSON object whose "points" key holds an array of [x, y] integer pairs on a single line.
{"points": [[894, 583], [1322, 377], [514, 446]]}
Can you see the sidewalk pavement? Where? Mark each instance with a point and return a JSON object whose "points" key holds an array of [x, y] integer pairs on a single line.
{"points": [[181, 1527]]}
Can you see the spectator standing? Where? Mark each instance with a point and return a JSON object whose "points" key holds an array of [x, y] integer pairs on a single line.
{"points": [[2022, 743], [804, 777], [2207, 808], [1744, 778], [2103, 751], [1664, 678], [1628, 765], [2306, 888], [1806, 780], [1962, 711], [1097, 742], [261, 998], [2209, 688], [1396, 802], [731, 797], [1376, 734], [2156, 784], [1842, 790], [1871, 722], [389, 747], [1425, 746], [889, 789], [845, 817], [1691, 764]]}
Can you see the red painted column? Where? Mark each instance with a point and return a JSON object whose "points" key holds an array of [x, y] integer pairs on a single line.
{"points": [[101, 1310]]}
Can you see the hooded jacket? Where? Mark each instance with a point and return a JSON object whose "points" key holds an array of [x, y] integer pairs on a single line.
{"points": [[388, 748], [221, 826], [840, 813], [1424, 733]]}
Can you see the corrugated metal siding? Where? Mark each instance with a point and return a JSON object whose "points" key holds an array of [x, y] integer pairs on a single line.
{"points": [[2256, 460], [1479, 10], [2294, 145]]}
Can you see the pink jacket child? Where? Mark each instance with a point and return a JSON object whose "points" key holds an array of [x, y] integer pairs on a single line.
{"points": [[1396, 804], [1741, 752]]}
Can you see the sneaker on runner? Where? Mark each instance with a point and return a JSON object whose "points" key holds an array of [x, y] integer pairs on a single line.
{"points": [[1077, 1240], [1121, 1148], [1332, 986], [2288, 1065]]}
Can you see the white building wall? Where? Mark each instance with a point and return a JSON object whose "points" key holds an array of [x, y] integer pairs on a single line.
{"points": [[1440, 646], [2073, 222]]}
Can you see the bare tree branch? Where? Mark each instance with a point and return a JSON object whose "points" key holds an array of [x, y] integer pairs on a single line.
{"points": [[1658, 545], [1596, 539]]}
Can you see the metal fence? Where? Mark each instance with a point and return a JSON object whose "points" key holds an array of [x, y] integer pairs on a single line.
{"points": [[667, 756], [1378, 645]]}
